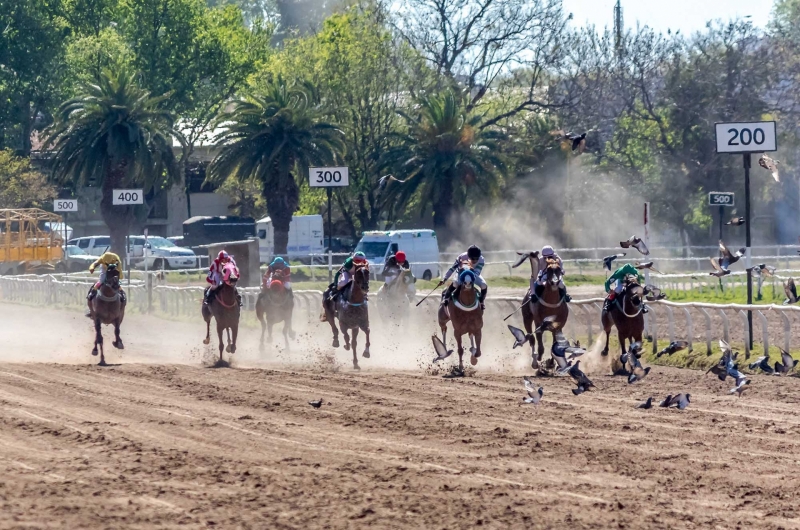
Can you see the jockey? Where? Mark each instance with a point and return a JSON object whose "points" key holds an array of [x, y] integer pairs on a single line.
{"points": [[278, 270], [475, 259], [345, 273], [619, 278], [215, 276], [108, 258], [392, 267], [537, 286]]}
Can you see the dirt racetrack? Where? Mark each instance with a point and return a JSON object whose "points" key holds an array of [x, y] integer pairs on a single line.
{"points": [[161, 441]]}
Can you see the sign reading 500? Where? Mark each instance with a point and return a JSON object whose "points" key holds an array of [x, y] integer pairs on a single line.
{"points": [[328, 177]]}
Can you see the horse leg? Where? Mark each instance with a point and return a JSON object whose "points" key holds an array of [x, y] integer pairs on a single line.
{"points": [[286, 328], [262, 318], [532, 341], [234, 330], [346, 335], [355, 343], [621, 341], [207, 340], [475, 348], [332, 321], [220, 330], [118, 341], [366, 346], [228, 347], [98, 339], [460, 353]]}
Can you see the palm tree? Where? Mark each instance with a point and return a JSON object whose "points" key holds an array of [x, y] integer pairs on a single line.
{"points": [[272, 138], [115, 135], [445, 158]]}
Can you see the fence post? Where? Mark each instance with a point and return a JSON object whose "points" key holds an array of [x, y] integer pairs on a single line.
{"points": [[330, 266]]}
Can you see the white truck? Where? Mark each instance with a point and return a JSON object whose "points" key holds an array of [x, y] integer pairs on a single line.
{"points": [[305, 237], [421, 248]]}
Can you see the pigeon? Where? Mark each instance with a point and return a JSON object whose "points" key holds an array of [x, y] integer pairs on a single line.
{"points": [[534, 394], [634, 366], [647, 265], [733, 371], [525, 255], [653, 293], [673, 347], [727, 258], [763, 268], [719, 371], [787, 363], [608, 260], [719, 272], [770, 165], [384, 181], [647, 404], [441, 350], [583, 382], [561, 347], [791, 292], [736, 221], [741, 386], [637, 243], [578, 142], [316, 404], [762, 363], [548, 324], [520, 337], [679, 400]]}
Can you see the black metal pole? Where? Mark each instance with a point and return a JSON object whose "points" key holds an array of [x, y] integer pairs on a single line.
{"points": [[721, 213], [330, 233], [746, 163]]}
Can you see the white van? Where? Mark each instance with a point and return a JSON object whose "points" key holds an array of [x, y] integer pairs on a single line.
{"points": [[305, 237], [421, 248]]}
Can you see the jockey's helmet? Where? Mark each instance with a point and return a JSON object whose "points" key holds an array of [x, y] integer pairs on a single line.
{"points": [[400, 256], [279, 261], [223, 256], [359, 257], [474, 253], [547, 250]]}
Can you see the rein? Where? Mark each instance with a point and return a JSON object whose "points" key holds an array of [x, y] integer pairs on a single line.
{"points": [[222, 302], [622, 308]]}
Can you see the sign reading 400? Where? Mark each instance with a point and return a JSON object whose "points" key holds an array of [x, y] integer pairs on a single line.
{"points": [[328, 177], [125, 197]]}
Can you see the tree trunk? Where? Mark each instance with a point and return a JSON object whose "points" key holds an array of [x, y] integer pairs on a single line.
{"points": [[281, 205], [443, 206], [118, 219]]}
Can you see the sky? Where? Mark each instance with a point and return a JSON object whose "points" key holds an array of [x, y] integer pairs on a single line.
{"points": [[688, 16]]}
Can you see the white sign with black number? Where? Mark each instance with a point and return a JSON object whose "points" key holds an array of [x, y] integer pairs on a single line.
{"points": [[126, 197], [720, 198], [752, 137], [65, 205], [328, 177]]}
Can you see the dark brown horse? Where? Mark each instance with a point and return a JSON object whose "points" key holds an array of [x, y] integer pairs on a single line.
{"points": [[625, 313], [550, 303], [108, 307], [465, 313], [352, 311], [275, 304], [224, 307], [393, 300]]}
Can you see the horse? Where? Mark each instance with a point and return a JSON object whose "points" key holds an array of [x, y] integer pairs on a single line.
{"points": [[625, 313], [108, 307], [393, 296], [551, 303], [351, 310], [275, 304], [224, 307], [465, 313]]}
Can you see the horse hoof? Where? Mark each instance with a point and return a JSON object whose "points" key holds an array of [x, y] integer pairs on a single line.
{"points": [[206, 341], [604, 353], [347, 347], [231, 349], [335, 343], [228, 348], [473, 360], [118, 345], [365, 354], [94, 352], [356, 366], [102, 363], [472, 351]]}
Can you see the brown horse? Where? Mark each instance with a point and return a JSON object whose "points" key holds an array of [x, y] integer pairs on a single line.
{"points": [[108, 307], [465, 313], [275, 304], [625, 313], [224, 307], [352, 311], [393, 300], [550, 303]]}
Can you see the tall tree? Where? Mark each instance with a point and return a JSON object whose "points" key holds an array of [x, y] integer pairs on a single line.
{"points": [[115, 135], [446, 158], [271, 138]]}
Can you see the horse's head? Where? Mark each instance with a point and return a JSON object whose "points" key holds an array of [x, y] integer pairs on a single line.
{"points": [[361, 276], [277, 290], [230, 274], [633, 291], [112, 277], [553, 272]]}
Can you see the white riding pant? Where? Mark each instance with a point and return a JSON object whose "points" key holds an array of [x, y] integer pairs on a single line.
{"points": [[216, 279], [479, 281], [344, 279]]}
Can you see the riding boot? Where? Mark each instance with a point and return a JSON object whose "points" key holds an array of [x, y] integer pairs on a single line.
{"points": [[123, 298], [482, 298], [447, 294], [538, 290], [239, 297], [89, 297], [608, 300], [562, 293], [207, 295], [644, 308]]}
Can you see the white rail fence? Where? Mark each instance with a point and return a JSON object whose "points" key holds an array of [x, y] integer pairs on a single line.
{"points": [[698, 323]]}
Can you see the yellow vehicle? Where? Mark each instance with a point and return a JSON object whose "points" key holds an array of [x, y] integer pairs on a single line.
{"points": [[26, 245]]}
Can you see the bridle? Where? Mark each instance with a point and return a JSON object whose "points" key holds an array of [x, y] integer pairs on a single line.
{"points": [[625, 299]]}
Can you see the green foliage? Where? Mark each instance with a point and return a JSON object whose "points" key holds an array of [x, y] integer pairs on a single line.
{"points": [[21, 186], [246, 197], [87, 56]]}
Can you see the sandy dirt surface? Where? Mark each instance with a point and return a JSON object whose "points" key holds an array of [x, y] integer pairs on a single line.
{"points": [[159, 440]]}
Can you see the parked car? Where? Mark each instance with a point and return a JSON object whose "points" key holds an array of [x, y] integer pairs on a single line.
{"points": [[75, 260], [161, 253], [92, 245]]}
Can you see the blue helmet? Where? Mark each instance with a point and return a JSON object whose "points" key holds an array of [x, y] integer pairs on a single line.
{"points": [[278, 261]]}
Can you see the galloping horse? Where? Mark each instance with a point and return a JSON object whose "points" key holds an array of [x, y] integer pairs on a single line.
{"points": [[108, 307], [275, 304], [550, 304], [393, 298], [625, 313], [224, 307], [351, 310], [464, 311]]}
